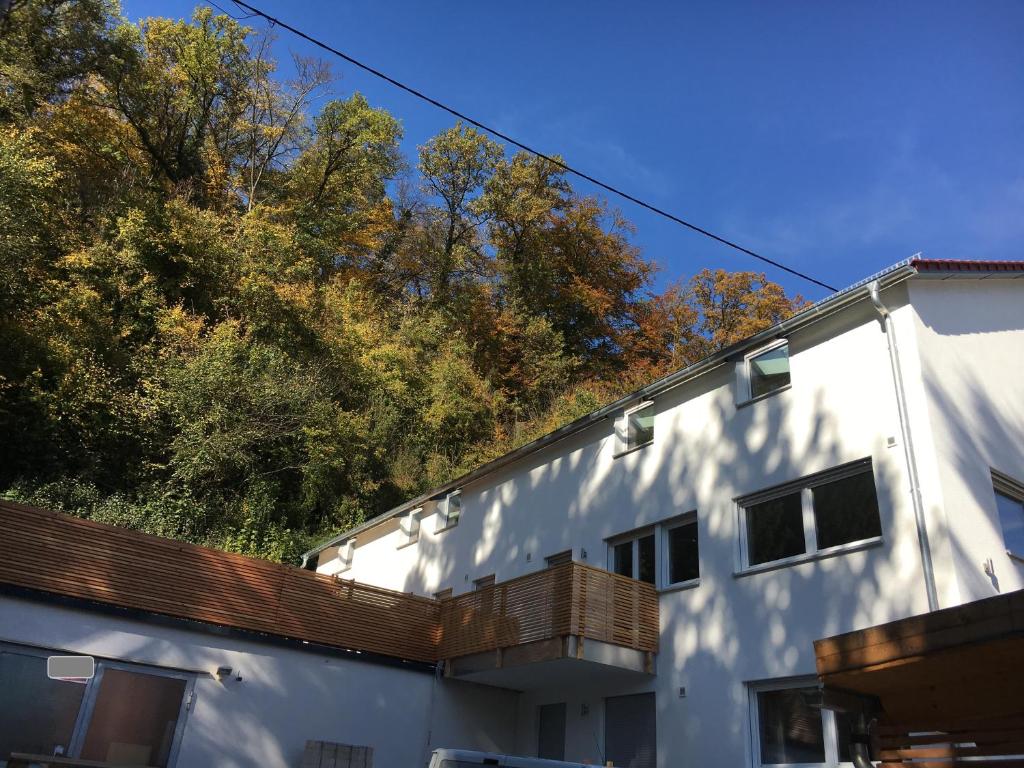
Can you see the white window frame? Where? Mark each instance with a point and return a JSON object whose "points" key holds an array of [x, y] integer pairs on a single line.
{"points": [[346, 554], [805, 487], [409, 527], [690, 518], [743, 387], [1006, 486], [623, 429], [828, 724], [444, 521], [92, 688]]}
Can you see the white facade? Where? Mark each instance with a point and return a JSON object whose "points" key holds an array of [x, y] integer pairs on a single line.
{"points": [[285, 697], [961, 347]]}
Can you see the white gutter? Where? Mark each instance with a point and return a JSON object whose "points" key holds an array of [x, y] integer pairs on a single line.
{"points": [[824, 308], [908, 446]]}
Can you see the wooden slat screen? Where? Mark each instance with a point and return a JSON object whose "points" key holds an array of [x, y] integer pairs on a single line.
{"points": [[65, 555], [566, 599], [83, 559], [983, 744]]}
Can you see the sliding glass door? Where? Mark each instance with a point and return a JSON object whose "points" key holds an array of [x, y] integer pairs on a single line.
{"points": [[128, 714]]}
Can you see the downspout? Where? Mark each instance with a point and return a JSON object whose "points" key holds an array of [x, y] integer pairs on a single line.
{"points": [[908, 446]]}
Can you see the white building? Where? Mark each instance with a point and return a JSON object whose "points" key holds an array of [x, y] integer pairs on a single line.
{"points": [[859, 463], [823, 476]]}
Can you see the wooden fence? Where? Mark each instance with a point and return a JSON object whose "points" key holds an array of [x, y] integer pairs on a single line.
{"points": [[69, 556]]}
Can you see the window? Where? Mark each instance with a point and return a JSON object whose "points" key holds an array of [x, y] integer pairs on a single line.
{"points": [[634, 557], [665, 554], [638, 427], [444, 594], [789, 727], [1010, 506], [125, 714], [409, 527], [767, 370], [819, 513], [484, 582], [346, 553], [449, 511], [559, 559], [682, 553]]}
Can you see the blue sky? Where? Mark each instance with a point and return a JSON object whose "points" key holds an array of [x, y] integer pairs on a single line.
{"points": [[835, 137]]}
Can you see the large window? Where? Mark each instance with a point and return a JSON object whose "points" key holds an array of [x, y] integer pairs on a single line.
{"points": [[126, 714], [766, 371], [1010, 506], [789, 727], [630, 731], [665, 555], [637, 427], [820, 513]]}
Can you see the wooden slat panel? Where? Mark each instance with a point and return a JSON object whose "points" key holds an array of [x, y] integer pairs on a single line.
{"points": [[69, 556]]}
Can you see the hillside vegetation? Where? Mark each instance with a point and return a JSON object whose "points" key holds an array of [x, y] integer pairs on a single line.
{"points": [[230, 318]]}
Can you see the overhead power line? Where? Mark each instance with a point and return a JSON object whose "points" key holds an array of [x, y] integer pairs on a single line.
{"points": [[526, 148]]}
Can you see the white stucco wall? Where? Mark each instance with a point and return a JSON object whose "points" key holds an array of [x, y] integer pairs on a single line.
{"points": [[971, 343], [731, 629], [285, 697]]}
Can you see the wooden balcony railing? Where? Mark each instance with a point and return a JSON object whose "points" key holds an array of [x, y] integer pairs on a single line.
{"points": [[50, 552], [571, 599]]}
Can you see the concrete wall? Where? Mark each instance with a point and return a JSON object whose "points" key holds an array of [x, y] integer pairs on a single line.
{"points": [[971, 345], [285, 697]]}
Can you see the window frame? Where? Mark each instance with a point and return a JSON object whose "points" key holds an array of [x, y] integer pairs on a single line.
{"points": [[409, 527], [745, 389], [828, 723], [444, 521], [1004, 485], [660, 531], [92, 689], [805, 487], [688, 518], [633, 537], [346, 555], [623, 428]]}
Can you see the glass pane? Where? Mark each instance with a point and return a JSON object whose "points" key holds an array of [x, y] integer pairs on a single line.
{"points": [[641, 426], [37, 714], [622, 556], [683, 560], [1011, 519], [790, 727], [846, 510], [134, 718], [775, 529], [645, 554], [454, 509], [844, 728], [769, 371]]}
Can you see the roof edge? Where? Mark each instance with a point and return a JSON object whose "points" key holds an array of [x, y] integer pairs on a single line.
{"points": [[815, 312]]}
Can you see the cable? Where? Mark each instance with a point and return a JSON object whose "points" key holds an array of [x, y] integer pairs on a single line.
{"points": [[508, 139]]}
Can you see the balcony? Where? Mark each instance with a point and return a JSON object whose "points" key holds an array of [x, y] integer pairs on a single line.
{"points": [[565, 619]]}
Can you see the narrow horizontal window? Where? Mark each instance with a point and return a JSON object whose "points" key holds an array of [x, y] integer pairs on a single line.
{"points": [[835, 508], [768, 371]]}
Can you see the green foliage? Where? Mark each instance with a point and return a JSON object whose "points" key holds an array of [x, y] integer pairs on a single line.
{"points": [[231, 320]]}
